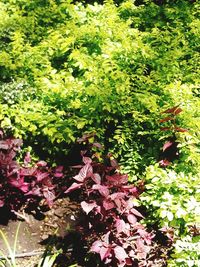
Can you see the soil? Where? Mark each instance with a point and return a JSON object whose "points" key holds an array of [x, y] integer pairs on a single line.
{"points": [[39, 230]]}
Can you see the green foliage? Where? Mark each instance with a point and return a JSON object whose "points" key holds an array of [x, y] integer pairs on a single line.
{"points": [[97, 68]]}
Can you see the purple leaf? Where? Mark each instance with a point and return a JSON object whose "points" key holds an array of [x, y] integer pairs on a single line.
{"points": [[49, 195], [104, 252], [73, 187], [164, 163], [87, 160], [87, 207], [117, 195], [96, 246], [117, 179], [107, 204], [137, 213], [1, 203], [167, 145], [103, 190], [96, 178], [41, 163], [120, 226], [36, 191], [19, 183], [131, 218], [41, 175], [85, 172], [97, 145], [27, 158], [120, 254]]}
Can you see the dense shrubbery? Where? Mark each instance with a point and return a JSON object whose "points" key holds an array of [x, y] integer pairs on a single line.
{"points": [[70, 68]]}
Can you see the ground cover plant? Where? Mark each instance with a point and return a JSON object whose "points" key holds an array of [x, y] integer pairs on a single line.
{"points": [[24, 183]]}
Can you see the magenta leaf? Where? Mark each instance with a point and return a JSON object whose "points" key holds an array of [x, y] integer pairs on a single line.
{"points": [[49, 195], [107, 204], [96, 178], [1, 203], [120, 254], [19, 183], [96, 246], [87, 207], [132, 219], [167, 145], [103, 190], [120, 226], [41, 175], [85, 172], [41, 163], [73, 187], [104, 252], [87, 160], [137, 213], [27, 158], [164, 163]]}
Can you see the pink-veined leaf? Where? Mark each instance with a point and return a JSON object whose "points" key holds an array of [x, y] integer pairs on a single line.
{"points": [[86, 171], [27, 158], [131, 218], [49, 195], [87, 207], [108, 205], [104, 252], [41, 163], [106, 237], [137, 213], [97, 145], [103, 190], [2, 203], [73, 187], [19, 183], [87, 160], [41, 175], [96, 246], [164, 163], [167, 145], [120, 226], [96, 178], [117, 196], [117, 179], [120, 254]]}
